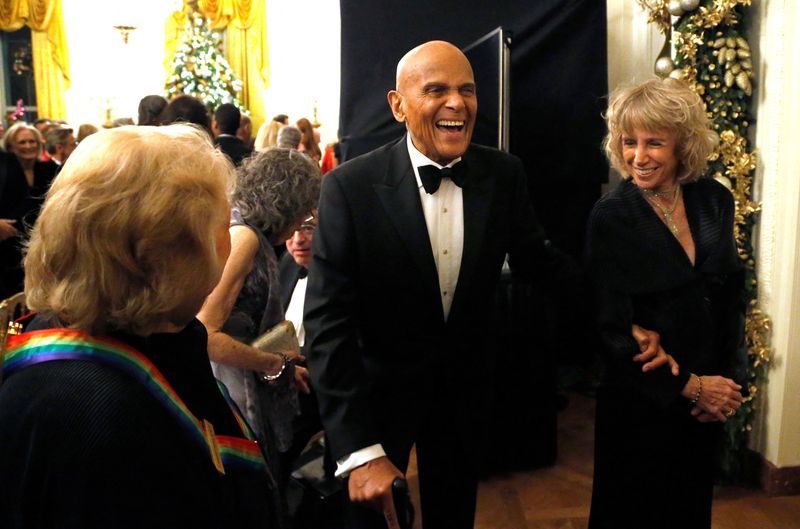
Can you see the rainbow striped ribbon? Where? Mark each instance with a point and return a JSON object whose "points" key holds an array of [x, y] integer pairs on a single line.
{"points": [[70, 344]]}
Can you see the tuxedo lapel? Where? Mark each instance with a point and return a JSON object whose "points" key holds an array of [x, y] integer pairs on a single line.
{"points": [[289, 273], [477, 196], [399, 196]]}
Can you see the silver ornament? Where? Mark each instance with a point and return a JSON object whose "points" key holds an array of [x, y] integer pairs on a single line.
{"points": [[664, 66], [724, 180], [689, 5], [675, 8]]}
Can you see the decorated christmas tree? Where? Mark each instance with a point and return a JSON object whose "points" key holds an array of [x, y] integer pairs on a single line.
{"points": [[200, 69]]}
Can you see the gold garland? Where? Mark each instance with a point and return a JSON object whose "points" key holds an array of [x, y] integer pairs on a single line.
{"points": [[714, 59], [658, 13]]}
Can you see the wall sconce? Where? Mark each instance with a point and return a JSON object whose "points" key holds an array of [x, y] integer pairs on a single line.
{"points": [[125, 31]]}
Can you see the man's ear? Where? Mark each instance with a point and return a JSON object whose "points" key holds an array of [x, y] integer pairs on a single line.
{"points": [[396, 104]]}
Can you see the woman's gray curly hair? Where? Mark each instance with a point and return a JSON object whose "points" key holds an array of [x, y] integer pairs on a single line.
{"points": [[275, 188]]}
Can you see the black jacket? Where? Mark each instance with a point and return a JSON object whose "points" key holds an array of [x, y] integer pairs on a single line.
{"points": [[380, 352]]}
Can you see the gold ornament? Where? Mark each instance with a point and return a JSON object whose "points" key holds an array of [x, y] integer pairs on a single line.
{"points": [[743, 82], [742, 43], [729, 79]]}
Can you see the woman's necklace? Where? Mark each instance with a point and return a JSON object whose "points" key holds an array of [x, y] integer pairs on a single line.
{"points": [[653, 196]]}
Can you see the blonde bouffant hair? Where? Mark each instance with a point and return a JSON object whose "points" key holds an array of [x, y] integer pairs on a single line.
{"points": [[126, 237], [667, 105]]}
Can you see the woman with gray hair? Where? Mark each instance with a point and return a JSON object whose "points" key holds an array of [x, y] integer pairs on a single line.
{"points": [[662, 255], [275, 192]]}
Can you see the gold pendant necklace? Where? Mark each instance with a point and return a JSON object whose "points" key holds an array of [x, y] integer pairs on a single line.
{"points": [[652, 197]]}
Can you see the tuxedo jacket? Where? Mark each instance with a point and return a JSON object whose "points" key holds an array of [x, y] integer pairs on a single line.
{"points": [[234, 148], [380, 352]]}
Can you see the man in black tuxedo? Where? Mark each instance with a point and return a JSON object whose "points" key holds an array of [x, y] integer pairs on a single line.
{"points": [[293, 274], [225, 124], [398, 304]]}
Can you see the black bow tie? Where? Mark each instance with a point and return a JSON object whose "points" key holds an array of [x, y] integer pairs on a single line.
{"points": [[302, 273], [431, 176]]}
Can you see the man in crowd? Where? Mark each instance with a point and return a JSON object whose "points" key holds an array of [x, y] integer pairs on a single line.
{"points": [[245, 131], [289, 137], [227, 119], [59, 142]]}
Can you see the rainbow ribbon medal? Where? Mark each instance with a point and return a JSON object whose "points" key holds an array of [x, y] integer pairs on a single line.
{"points": [[69, 344]]}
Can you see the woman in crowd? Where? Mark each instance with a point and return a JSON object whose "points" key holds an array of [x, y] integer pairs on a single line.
{"points": [[275, 192], [109, 412], [309, 143], [267, 136], [150, 109], [24, 180], [662, 255]]}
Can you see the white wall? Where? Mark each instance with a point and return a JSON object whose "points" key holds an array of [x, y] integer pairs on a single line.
{"points": [[775, 41], [106, 73], [303, 47]]}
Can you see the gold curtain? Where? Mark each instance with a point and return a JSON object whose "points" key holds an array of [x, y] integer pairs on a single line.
{"points": [[246, 24], [49, 47]]}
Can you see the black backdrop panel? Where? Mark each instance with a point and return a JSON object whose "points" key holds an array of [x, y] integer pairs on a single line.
{"points": [[558, 85]]}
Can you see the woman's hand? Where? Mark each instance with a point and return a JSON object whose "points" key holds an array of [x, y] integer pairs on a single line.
{"points": [[719, 397]]}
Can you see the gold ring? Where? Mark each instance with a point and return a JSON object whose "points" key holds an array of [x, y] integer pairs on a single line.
{"points": [[730, 413]]}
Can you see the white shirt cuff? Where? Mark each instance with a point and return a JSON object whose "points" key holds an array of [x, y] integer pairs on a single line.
{"points": [[346, 464]]}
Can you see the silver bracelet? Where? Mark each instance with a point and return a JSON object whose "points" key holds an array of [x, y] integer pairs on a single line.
{"points": [[269, 378]]}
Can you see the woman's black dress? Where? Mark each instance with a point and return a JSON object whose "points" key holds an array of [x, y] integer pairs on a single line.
{"points": [[20, 202], [653, 461], [84, 444]]}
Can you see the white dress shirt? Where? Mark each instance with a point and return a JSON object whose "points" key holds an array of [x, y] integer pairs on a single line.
{"points": [[294, 312], [444, 217]]}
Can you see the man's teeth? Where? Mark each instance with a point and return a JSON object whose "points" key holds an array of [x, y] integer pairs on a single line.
{"points": [[449, 123]]}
